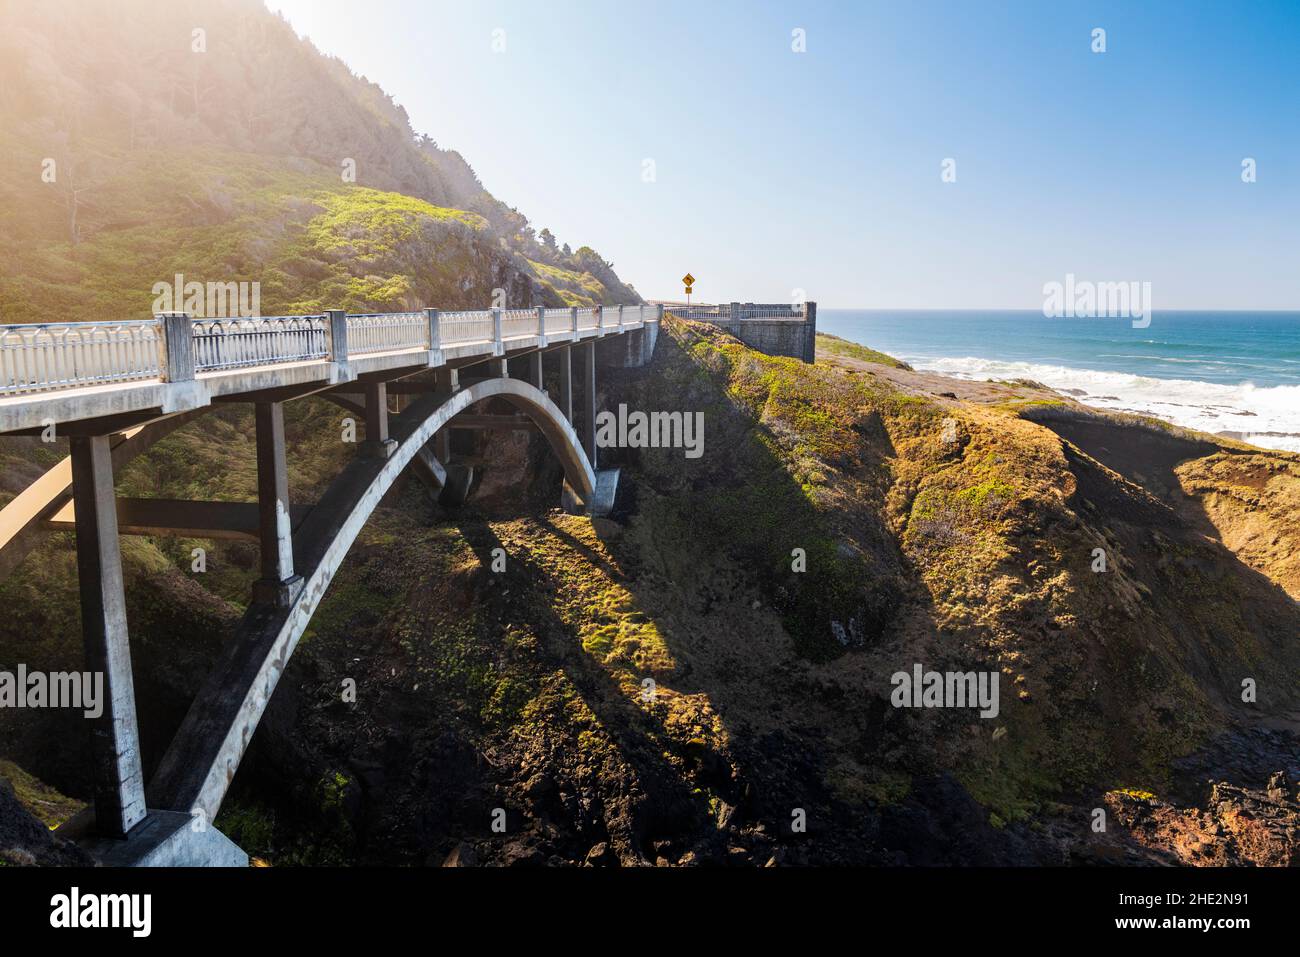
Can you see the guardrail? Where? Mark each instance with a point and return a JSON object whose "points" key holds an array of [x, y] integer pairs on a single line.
{"points": [[221, 344], [369, 333], [518, 322], [467, 326], [40, 358], [556, 321], [45, 357]]}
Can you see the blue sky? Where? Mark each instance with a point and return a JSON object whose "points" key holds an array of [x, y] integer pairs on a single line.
{"points": [[821, 171]]}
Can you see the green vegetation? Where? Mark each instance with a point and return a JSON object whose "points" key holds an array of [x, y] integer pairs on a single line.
{"points": [[265, 162], [45, 803], [1018, 405], [836, 346], [573, 288]]}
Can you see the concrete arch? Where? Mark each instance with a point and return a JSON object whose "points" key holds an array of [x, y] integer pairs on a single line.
{"points": [[198, 767]]}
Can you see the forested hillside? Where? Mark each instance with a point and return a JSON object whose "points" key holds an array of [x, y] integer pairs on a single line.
{"points": [[149, 138]]}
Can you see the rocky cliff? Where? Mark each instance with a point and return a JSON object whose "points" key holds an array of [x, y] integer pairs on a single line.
{"points": [[665, 686]]}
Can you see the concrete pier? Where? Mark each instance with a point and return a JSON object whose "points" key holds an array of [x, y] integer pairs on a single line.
{"points": [[535, 370], [278, 582], [117, 775], [589, 401], [566, 382], [377, 444]]}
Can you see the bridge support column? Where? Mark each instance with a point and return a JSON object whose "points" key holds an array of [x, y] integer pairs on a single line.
{"points": [[377, 444], [588, 433], [278, 585], [446, 383], [566, 382], [117, 775], [535, 370]]}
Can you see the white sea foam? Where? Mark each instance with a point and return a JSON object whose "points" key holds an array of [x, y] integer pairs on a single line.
{"points": [[1268, 417]]}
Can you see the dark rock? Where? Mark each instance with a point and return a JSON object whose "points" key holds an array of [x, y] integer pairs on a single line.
{"points": [[519, 854], [463, 855], [601, 855]]}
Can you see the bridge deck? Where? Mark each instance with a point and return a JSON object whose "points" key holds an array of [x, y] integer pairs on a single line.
{"points": [[72, 372]]}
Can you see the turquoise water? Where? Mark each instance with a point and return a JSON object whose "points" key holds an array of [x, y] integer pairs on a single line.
{"points": [[1236, 373]]}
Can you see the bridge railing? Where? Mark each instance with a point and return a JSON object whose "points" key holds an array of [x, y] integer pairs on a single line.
{"points": [[518, 322], [68, 355], [700, 312], [466, 326], [369, 333], [221, 344], [556, 321], [43, 357]]}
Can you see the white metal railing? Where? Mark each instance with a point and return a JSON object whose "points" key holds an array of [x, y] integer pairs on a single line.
{"points": [[466, 326], [238, 343], [518, 322], [43, 357], [557, 321], [67, 355], [369, 333]]}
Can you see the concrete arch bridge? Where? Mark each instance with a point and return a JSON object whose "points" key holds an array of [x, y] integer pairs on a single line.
{"points": [[115, 389]]}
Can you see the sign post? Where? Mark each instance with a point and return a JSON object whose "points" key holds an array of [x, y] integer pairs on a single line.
{"points": [[688, 281]]}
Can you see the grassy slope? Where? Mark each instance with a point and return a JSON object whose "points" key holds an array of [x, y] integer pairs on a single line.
{"points": [[836, 346], [310, 240]]}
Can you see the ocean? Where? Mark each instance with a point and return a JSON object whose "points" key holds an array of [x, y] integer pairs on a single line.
{"points": [[1234, 373]]}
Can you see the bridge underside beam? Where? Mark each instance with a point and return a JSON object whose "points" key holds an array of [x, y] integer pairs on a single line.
{"points": [[106, 425], [496, 423], [284, 394], [234, 521], [415, 387]]}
